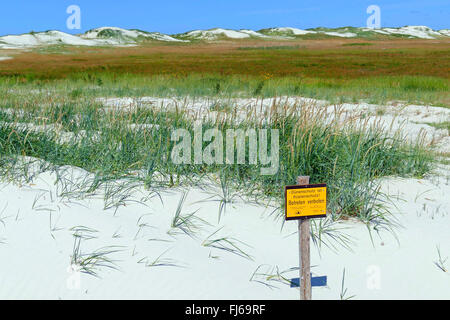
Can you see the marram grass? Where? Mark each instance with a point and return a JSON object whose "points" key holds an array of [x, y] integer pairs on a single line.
{"points": [[349, 156]]}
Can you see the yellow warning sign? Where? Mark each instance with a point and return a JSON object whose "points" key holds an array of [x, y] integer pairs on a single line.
{"points": [[308, 201]]}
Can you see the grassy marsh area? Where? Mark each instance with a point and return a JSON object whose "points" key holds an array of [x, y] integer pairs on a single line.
{"points": [[46, 93], [414, 71]]}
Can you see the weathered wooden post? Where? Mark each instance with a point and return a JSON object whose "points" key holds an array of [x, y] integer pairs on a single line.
{"points": [[304, 250]]}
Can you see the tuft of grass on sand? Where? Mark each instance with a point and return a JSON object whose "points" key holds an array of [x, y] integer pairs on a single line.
{"points": [[441, 125], [349, 156], [91, 262]]}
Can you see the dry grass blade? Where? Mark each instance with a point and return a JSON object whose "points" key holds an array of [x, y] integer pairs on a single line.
{"points": [[187, 223], [91, 262], [227, 244]]}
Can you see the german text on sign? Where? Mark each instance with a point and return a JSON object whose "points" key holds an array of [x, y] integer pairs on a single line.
{"points": [[308, 201]]}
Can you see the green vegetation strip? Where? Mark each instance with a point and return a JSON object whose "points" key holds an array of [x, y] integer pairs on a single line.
{"points": [[377, 90], [349, 158]]}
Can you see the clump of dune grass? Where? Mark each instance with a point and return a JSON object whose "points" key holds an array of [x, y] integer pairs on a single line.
{"points": [[348, 154], [91, 262], [225, 243], [224, 194], [343, 294], [160, 261], [441, 261], [188, 223], [327, 232], [269, 276], [445, 125]]}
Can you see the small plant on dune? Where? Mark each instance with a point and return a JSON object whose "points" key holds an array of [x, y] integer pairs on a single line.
{"points": [[221, 107], [272, 275], [90, 263], [53, 225], [142, 225], [350, 156], [363, 200], [119, 193], [227, 244], [2, 218], [343, 294], [327, 232], [76, 93], [160, 261], [259, 88], [441, 125], [440, 263], [217, 88], [225, 195], [187, 223]]}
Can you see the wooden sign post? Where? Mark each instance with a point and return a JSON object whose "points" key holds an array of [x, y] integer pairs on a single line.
{"points": [[305, 255], [303, 202]]}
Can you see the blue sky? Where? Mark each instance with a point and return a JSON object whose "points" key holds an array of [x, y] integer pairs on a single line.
{"points": [[170, 17]]}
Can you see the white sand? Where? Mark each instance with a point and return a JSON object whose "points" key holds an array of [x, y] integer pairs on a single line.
{"points": [[36, 240], [254, 33], [37, 244], [422, 32], [341, 34], [214, 34], [294, 31]]}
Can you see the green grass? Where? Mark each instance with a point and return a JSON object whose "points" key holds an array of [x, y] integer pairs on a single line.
{"points": [[187, 223], [441, 125], [348, 158], [227, 244], [90, 263], [382, 89]]}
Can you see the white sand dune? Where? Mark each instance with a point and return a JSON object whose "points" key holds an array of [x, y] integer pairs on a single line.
{"points": [[214, 34], [422, 32], [341, 34], [128, 35], [38, 221], [294, 31], [413, 120], [114, 36], [91, 38]]}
